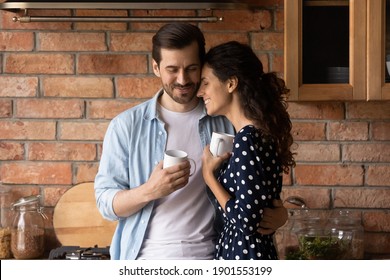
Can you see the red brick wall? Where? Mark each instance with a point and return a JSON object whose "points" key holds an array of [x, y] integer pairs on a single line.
{"points": [[61, 83]]}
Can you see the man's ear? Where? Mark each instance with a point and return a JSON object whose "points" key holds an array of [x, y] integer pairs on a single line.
{"points": [[232, 84], [156, 69]]}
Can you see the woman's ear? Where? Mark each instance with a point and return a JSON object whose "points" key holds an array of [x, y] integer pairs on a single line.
{"points": [[156, 69], [232, 84]]}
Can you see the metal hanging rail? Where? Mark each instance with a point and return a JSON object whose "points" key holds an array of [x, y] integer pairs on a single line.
{"points": [[27, 19], [125, 5], [209, 5]]}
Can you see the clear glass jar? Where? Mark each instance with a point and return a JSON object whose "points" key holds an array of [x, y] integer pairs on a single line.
{"points": [[296, 237], [286, 237], [346, 226], [28, 229], [320, 234], [5, 223], [316, 244], [339, 237], [305, 222]]}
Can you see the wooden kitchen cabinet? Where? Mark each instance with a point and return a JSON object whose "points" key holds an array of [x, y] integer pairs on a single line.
{"points": [[335, 50]]}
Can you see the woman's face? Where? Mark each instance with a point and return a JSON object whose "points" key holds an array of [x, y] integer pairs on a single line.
{"points": [[215, 94]]}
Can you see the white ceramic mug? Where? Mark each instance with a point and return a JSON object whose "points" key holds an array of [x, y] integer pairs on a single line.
{"points": [[221, 143], [173, 157]]}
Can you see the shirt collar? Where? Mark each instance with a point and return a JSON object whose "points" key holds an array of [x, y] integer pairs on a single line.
{"points": [[152, 112]]}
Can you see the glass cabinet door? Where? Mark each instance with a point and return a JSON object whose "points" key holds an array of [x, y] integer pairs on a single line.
{"points": [[325, 42], [325, 49], [378, 42]]}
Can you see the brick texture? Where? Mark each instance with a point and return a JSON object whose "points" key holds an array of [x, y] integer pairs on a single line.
{"points": [[61, 84], [138, 87], [80, 87], [120, 42], [362, 198], [74, 42], [315, 152], [111, 64], [309, 131], [49, 108], [18, 86], [85, 172], [82, 130], [378, 175], [5, 108], [328, 175], [62, 151], [11, 151], [20, 41], [27, 130], [348, 131], [101, 109], [380, 131], [39, 63], [36, 173]]}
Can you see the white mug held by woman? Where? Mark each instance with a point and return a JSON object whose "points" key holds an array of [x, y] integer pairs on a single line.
{"points": [[221, 143]]}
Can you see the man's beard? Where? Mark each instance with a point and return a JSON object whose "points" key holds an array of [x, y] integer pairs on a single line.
{"points": [[182, 99]]}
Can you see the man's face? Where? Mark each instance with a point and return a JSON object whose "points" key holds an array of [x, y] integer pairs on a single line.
{"points": [[179, 71]]}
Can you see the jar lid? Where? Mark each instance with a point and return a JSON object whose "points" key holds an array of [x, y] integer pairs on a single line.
{"points": [[26, 200]]}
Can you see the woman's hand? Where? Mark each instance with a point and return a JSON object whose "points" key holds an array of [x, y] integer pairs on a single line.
{"points": [[211, 163]]}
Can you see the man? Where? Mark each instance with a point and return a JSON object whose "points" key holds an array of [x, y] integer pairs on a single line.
{"points": [[164, 213]]}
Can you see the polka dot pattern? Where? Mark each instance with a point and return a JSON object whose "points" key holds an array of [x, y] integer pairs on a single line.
{"points": [[253, 178]]}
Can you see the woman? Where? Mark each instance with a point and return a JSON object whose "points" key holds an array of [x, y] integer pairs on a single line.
{"points": [[235, 86]]}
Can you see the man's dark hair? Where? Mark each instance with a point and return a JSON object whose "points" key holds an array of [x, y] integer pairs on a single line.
{"points": [[177, 36]]}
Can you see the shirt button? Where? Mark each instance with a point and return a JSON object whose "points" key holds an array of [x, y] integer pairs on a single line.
{"points": [[156, 162], [160, 133], [142, 221]]}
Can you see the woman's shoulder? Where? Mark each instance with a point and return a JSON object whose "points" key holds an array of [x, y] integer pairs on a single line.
{"points": [[249, 133], [250, 137]]}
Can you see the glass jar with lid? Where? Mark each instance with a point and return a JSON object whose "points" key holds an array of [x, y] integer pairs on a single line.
{"points": [[304, 224], [286, 238], [287, 242], [346, 226], [5, 223], [28, 228]]}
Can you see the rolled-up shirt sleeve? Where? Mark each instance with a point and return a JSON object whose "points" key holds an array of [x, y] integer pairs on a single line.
{"points": [[113, 175]]}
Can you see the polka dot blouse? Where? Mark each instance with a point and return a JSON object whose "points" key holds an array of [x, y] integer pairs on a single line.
{"points": [[253, 178]]}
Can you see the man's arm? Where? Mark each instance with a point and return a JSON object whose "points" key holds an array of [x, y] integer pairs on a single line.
{"points": [[161, 183], [114, 197]]}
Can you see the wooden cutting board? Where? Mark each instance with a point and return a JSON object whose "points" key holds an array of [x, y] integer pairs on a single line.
{"points": [[78, 222]]}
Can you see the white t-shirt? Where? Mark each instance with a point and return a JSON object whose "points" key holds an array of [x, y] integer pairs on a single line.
{"points": [[181, 225]]}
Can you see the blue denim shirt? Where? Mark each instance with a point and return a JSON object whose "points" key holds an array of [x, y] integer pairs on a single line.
{"points": [[133, 145]]}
